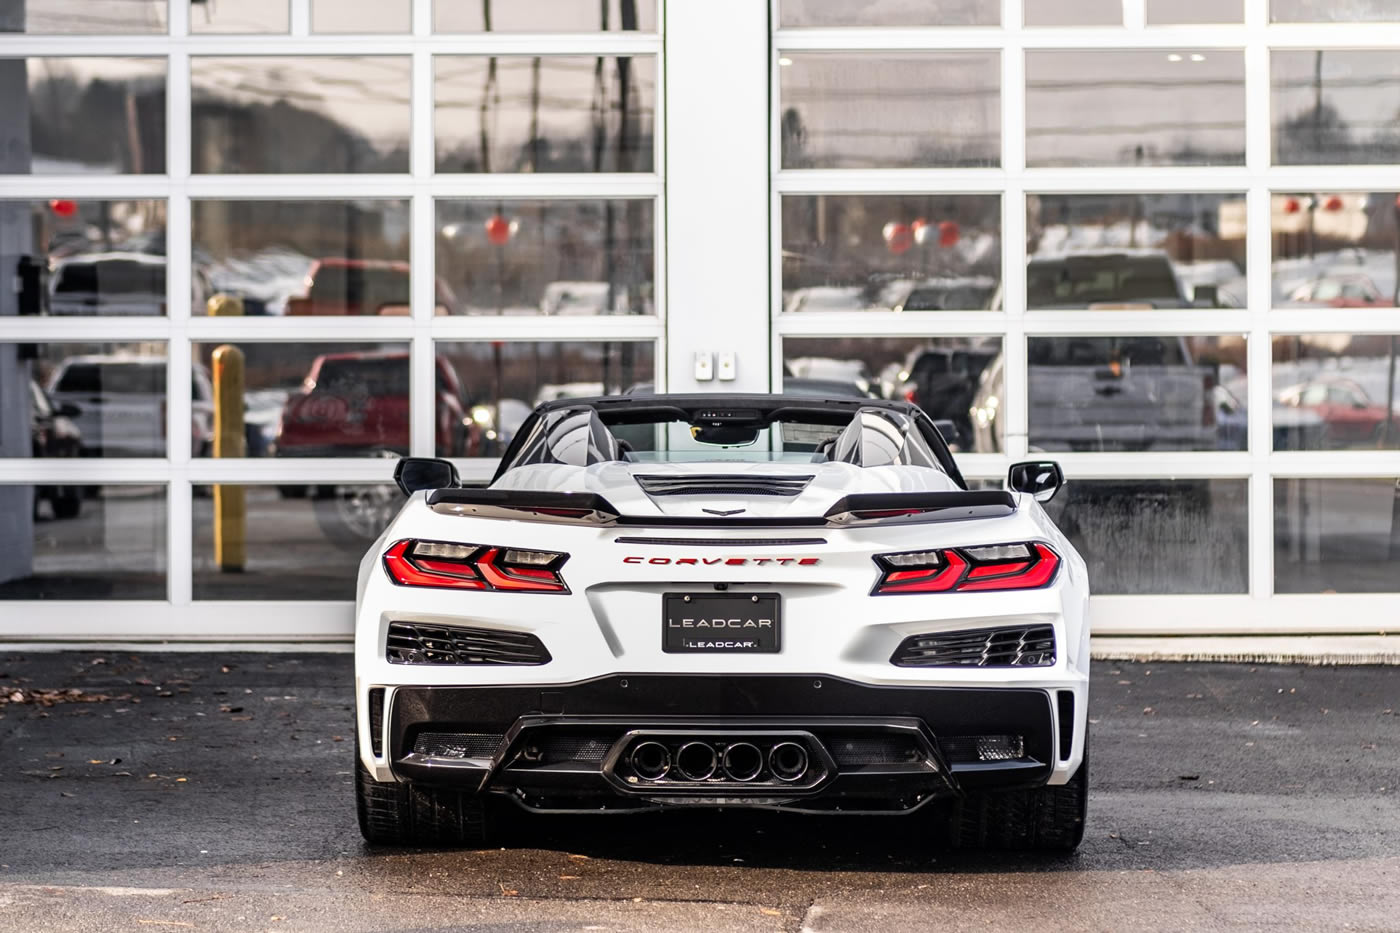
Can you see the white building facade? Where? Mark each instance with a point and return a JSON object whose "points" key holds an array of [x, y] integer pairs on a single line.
{"points": [[1155, 240]]}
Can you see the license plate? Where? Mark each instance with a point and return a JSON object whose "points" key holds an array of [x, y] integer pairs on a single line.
{"points": [[735, 623]]}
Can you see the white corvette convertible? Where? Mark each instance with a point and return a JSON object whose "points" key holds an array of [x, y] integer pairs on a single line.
{"points": [[724, 601]]}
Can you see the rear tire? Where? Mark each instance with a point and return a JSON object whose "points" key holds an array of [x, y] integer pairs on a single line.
{"points": [[1043, 819], [401, 814]]}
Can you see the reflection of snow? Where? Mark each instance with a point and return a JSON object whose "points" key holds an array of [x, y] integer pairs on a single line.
{"points": [[1290, 274], [270, 275]]}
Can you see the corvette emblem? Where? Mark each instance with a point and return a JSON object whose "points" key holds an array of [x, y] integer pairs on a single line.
{"points": [[724, 511]]}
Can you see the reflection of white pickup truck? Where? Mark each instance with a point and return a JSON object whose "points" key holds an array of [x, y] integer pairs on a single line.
{"points": [[1119, 393], [121, 402], [108, 284]]}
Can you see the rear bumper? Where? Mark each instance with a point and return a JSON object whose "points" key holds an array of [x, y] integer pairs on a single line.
{"points": [[866, 748]]}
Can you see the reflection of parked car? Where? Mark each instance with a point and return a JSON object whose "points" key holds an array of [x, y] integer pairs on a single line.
{"points": [[827, 298], [1349, 418], [1109, 279], [121, 403], [1340, 290], [949, 294], [566, 298], [53, 434], [357, 403], [108, 283], [1119, 393], [339, 286], [942, 381]]}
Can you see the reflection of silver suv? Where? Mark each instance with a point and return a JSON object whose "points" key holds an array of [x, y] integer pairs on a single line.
{"points": [[1106, 393], [121, 402]]}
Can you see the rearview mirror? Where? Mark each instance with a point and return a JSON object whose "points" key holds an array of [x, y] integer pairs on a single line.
{"points": [[415, 473], [725, 435], [1040, 478]]}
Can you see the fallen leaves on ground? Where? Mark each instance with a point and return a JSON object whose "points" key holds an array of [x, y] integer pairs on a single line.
{"points": [[30, 696]]}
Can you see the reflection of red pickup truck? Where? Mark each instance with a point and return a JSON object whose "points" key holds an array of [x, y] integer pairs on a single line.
{"points": [[358, 404], [339, 286]]}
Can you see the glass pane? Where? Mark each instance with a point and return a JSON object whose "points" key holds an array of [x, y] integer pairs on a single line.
{"points": [[889, 13], [957, 379], [311, 399], [1333, 391], [87, 116], [1334, 106], [1337, 535], [245, 16], [1140, 107], [291, 257], [90, 399], [309, 114], [1135, 251], [498, 384], [890, 110], [1170, 12], [1137, 393], [303, 542], [95, 257], [910, 252], [555, 257], [1073, 12], [367, 16], [1335, 250], [72, 17], [1334, 11], [544, 16], [1158, 535], [544, 114], [83, 542]]}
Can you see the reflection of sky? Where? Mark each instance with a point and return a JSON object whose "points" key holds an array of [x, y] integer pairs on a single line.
{"points": [[85, 16], [1363, 86], [1098, 107], [369, 94], [888, 12]]}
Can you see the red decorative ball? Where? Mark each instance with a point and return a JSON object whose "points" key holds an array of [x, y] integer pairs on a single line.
{"points": [[63, 207], [898, 237], [498, 230], [948, 233]]}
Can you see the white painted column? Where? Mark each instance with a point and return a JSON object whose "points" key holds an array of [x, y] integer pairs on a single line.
{"points": [[717, 221]]}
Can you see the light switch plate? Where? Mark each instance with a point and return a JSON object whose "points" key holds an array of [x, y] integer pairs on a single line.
{"points": [[704, 366], [727, 366]]}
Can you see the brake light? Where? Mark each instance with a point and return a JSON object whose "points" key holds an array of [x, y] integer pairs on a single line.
{"points": [[447, 565], [997, 567]]}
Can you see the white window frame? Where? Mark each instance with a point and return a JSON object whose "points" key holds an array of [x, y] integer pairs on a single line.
{"points": [[1258, 610], [180, 616]]}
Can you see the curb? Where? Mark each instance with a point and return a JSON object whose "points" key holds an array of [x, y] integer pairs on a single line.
{"points": [[1311, 650]]}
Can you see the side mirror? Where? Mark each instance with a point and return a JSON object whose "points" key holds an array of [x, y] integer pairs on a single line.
{"points": [[1040, 478], [1206, 296], [415, 473], [949, 430]]}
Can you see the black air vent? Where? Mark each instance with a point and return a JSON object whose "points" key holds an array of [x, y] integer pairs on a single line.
{"points": [[722, 484], [457, 744], [420, 643], [1020, 646]]}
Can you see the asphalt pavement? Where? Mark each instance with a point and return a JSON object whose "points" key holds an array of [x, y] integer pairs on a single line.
{"points": [[209, 791]]}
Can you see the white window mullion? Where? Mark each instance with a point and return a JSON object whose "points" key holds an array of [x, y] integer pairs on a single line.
{"points": [[1259, 298], [301, 17], [1015, 389]]}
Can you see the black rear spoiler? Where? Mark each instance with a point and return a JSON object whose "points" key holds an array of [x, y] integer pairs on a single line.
{"points": [[586, 508]]}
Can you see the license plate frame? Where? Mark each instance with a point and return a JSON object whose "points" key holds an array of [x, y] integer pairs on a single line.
{"points": [[743, 631]]}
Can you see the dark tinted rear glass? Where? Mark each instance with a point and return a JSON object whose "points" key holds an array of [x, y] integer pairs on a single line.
{"points": [[1083, 280], [113, 379], [1103, 351], [371, 287], [111, 277], [377, 377]]}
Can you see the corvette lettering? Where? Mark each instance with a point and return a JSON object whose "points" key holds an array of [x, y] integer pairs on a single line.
{"points": [[726, 561]]}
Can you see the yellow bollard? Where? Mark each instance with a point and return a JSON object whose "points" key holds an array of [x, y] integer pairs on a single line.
{"points": [[230, 505], [222, 305]]}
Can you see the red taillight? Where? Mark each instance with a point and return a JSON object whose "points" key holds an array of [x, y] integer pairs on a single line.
{"points": [[474, 567], [997, 567]]}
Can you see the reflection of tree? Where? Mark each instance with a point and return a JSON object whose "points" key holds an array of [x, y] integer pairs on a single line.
{"points": [[1315, 135], [99, 122]]}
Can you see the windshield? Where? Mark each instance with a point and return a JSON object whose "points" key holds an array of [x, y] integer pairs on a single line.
{"points": [[865, 437], [113, 378], [1082, 280]]}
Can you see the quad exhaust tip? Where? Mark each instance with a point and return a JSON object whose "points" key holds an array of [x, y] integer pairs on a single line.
{"points": [[697, 761], [742, 761], [651, 760], [788, 761]]}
